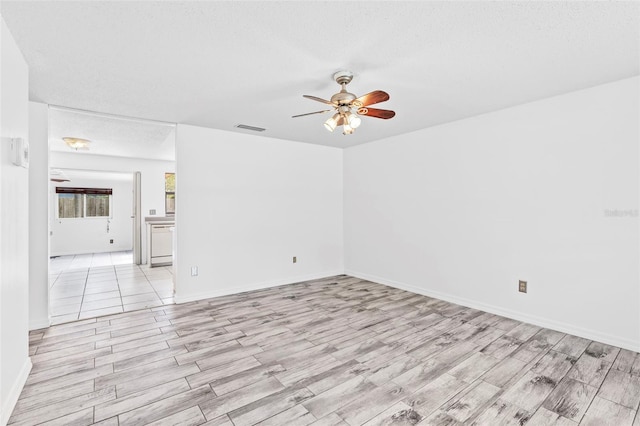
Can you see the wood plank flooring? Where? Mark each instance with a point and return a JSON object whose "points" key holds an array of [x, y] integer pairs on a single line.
{"points": [[336, 351]]}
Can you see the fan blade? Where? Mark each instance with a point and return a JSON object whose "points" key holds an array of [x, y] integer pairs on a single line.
{"points": [[377, 113], [372, 98], [315, 98], [311, 113]]}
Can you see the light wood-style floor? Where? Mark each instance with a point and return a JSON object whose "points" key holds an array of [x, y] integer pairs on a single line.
{"points": [[337, 351]]}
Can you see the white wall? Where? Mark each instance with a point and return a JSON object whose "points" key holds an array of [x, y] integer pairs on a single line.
{"points": [[152, 177], [247, 204], [14, 226], [93, 234], [464, 210], [38, 221]]}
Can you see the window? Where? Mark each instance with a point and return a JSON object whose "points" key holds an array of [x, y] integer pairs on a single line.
{"points": [[70, 205], [170, 193], [83, 202], [97, 205]]}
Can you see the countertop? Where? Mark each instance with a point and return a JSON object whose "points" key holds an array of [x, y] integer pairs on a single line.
{"points": [[160, 220]]}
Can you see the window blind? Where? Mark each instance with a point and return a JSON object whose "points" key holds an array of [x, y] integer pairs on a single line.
{"points": [[93, 191]]}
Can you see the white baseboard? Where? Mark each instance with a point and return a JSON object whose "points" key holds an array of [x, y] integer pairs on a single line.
{"points": [[39, 323], [179, 298], [90, 251], [622, 342], [12, 397]]}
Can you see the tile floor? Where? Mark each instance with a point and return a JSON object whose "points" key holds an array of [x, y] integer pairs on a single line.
{"points": [[91, 285]]}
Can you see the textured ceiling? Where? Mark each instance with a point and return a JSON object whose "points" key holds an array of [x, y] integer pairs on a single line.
{"points": [[112, 135], [217, 64]]}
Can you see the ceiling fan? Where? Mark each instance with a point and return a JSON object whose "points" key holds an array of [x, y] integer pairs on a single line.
{"points": [[348, 107]]}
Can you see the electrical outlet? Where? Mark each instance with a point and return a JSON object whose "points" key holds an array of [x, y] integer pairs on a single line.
{"points": [[152, 212], [110, 241], [295, 259], [194, 271], [522, 286]]}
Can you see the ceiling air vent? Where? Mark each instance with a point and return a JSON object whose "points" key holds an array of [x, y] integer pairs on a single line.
{"points": [[246, 127]]}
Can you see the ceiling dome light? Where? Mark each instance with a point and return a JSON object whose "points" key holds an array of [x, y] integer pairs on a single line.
{"points": [[76, 143], [332, 122]]}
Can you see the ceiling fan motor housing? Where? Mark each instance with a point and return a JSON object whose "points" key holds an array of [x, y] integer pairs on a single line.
{"points": [[343, 98]]}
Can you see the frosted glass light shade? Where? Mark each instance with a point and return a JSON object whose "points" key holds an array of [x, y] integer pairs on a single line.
{"points": [[354, 121], [332, 122]]}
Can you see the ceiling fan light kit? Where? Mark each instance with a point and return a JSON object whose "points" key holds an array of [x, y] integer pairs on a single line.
{"points": [[348, 108], [332, 122]]}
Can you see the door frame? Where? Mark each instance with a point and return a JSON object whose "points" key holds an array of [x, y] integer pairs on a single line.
{"points": [[137, 218]]}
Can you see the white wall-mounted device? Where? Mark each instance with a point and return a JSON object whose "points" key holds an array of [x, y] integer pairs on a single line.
{"points": [[19, 152]]}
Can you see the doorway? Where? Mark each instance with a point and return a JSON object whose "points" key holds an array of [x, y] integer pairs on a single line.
{"points": [[101, 199]]}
